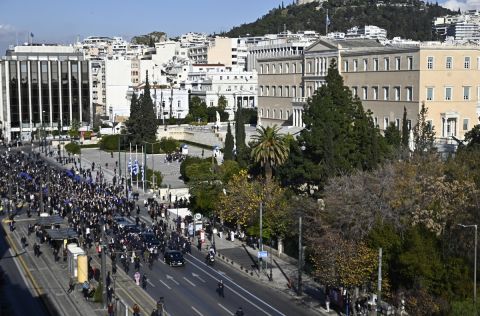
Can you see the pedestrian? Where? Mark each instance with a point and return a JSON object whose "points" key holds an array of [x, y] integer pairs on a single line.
{"points": [[239, 312], [110, 309], [71, 286], [220, 289], [136, 310]]}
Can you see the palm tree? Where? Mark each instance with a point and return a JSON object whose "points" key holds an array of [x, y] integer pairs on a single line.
{"points": [[270, 149]]}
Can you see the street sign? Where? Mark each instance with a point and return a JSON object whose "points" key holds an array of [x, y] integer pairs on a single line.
{"points": [[198, 216], [262, 254]]}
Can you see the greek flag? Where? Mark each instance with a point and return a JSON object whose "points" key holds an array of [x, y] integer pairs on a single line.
{"points": [[135, 167], [143, 173], [130, 165]]}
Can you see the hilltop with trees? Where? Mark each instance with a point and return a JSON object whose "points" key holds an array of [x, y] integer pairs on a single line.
{"points": [[394, 16]]}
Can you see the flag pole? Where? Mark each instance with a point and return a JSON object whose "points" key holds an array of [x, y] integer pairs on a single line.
{"points": [[143, 170], [136, 163], [131, 166], [326, 24]]}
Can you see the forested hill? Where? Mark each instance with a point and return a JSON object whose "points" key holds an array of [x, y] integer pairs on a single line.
{"points": [[410, 19]]}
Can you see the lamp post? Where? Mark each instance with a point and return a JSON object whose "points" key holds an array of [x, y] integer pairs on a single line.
{"points": [[474, 264], [153, 183]]}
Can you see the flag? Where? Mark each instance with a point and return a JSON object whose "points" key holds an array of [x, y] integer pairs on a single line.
{"points": [[135, 167], [130, 165], [327, 21], [31, 35]]}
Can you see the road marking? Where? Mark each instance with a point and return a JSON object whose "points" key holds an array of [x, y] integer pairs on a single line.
{"points": [[191, 283], [165, 284], [169, 277], [148, 281], [236, 292], [198, 277], [225, 309], [225, 275], [196, 311]]}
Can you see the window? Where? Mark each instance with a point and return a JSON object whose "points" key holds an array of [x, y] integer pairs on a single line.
{"points": [[466, 63], [355, 92], [397, 123], [448, 93], [294, 92], [430, 94], [466, 93], [409, 93], [261, 91], [448, 63], [281, 114], [309, 67], [397, 93], [267, 69], [375, 64], [294, 68], [280, 91], [430, 62], [274, 91], [430, 125], [267, 91], [386, 64], [365, 64], [375, 120], [280, 68], [385, 122], [355, 65], [465, 124], [365, 93], [287, 91], [385, 93], [375, 93], [409, 63], [273, 68], [397, 63], [286, 68], [345, 66]]}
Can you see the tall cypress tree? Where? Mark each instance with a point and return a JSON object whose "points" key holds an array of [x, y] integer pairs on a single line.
{"points": [[228, 150], [240, 137], [405, 131], [149, 122], [134, 121]]}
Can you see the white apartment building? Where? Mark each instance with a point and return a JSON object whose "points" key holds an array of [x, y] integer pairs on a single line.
{"points": [[368, 32], [220, 50], [210, 82]]}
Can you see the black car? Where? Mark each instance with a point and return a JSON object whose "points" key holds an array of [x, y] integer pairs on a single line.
{"points": [[173, 258], [150, 239]]}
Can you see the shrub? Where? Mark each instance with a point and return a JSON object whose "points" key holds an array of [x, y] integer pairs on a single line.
{"points": [[72, 148], [98, 297], [109, 142]]}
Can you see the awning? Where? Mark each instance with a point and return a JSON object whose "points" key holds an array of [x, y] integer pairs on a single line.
{"points": [[62, 233], [50, 220]]}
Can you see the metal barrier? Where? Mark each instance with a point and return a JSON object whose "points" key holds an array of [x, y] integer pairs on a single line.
{"points": [[121, 308]]}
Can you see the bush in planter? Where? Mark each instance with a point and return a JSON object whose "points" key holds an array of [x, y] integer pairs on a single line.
{"points": [[109, 142], [98, 297], [72, 148], [87, 135]]}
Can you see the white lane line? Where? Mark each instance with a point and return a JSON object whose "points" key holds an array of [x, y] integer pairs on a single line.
{"points": [[196, 311], [225, 309], [244, 290], [166, 285], [198, 277], [169, 277], [191, 283], [224, 275], [148, 281]]}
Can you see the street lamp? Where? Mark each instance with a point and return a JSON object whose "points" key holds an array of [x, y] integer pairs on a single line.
{"points": [[153, 183], [474, 264]]}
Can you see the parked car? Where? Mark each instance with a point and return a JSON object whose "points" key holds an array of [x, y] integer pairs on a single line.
{"points": [[174, 258]]}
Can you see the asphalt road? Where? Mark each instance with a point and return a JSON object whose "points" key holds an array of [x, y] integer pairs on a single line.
{"points": [[15, 285], [191, 290]]}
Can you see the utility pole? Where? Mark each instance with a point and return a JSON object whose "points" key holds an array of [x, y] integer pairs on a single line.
{"points": [[379, 294], [104, 268], [300, 257], [261, 233]]}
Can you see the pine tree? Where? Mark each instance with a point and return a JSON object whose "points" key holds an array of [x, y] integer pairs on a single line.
{"points": [[405, 131], [338, 138], [229, 143], [423, 133]]}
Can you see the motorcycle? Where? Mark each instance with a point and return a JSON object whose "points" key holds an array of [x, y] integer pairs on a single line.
{"points": [[210, 259]]}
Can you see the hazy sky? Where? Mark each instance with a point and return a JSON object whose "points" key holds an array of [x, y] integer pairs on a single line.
{"points": [[62, 21]]}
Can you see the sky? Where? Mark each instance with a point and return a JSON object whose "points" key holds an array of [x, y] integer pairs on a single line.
{"points": [[63, 21]]}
